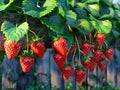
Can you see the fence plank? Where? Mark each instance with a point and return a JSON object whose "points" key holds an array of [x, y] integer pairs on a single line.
{"points": [[10, 73]]}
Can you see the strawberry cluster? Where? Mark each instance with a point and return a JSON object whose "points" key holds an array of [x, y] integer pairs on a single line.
{"points": [[12, 49], [93, 55], [61, 51], [99, 56]]}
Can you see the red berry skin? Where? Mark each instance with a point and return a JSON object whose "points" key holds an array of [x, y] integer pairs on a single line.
{"points": [[26, 63], [86, 63], [86, 47], [72, 48], [109, 53], [102, 65], [60, 45], [100, 38], [89, 35], [97, 55], [92, 65], [79, 75], [67, 71], [60, 60], [38, 48], [12, 48]]}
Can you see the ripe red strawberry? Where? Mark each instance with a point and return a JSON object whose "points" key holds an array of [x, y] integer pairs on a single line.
{"points": [[97, 55], [86, 47], [67, 71], [12, 48], [109, 53], [72, 48], [102, 65], [79, 75], [92, 65], [38, 48], [26, 63], [100, 38], [60, 45], [60, 60], [86, 63]]}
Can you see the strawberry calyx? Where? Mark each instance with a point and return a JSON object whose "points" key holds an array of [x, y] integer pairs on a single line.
{"points": [[80, 67], [85, 58], [67, 64], [36, 39], [27, 53]]}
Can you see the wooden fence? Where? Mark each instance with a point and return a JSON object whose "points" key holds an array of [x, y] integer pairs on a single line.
{"points": [[46, 71]]}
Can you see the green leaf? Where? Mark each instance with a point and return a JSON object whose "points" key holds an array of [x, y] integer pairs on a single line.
{"points": [[55, 23], [93, 9], [3, 6], [91, 1], [69, 37], [116, 6], [71, 2], [104, 26], [84, 26], [30, 8], [117, 14], [61, 11], [71, 17], [14, 33], [81, 11], [108, 2], [106, 13]]}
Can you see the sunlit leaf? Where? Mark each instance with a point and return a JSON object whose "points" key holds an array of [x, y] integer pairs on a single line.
{"points": [[71, 17], [84, 26], [90, 1], [3, 6], [14, 33], [94, 9], [30, 7]]}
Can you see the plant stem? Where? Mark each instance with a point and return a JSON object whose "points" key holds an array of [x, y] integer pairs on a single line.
{"points": [[33, 33], [40, 31], [73, 58], [78, 45], [27, 40], [78, 49]]}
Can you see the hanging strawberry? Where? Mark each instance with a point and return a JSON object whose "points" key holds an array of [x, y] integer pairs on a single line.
{"points": [[60, 60], [79, 75], [60, 45], [67, 71], [38, 47], [27, 60], [86, 61], [86, 47], [12, 48], [102, 65], [92, 65], [100, 38], [97, 55], [109, 53]]}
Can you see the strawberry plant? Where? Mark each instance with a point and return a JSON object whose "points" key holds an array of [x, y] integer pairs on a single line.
{"points": [[83, 28]]}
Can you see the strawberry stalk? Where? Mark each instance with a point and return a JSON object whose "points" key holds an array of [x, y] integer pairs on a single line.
{"points": [[85, 37], [73, 58], [78, 49], [27, 40]]}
